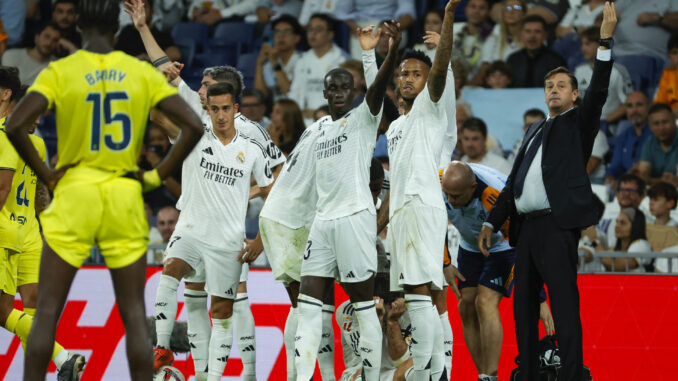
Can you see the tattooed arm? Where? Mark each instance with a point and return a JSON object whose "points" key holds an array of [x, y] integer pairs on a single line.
{"points": [[437, 76]]}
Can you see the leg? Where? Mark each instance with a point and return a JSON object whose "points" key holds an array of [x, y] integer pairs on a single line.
{"points": [[362, 297], [491, 331], [29, 296], [199, 326], [326, 353], [244, 329], [471, 325], [291, 330], [56, 278], [222, 337], [166, 299], [129, 285], [309, 328], [440, 301]]}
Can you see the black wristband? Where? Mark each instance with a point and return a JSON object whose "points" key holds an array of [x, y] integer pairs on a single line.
{"points": [[161, 61], [606, 42]]}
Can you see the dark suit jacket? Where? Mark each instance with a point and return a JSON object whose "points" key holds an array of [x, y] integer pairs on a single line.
{"points": [[567, 144], [530, 71]]}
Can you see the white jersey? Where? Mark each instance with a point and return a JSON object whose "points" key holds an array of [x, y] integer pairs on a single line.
{"points": [[245, 126], [415, 143], [309, 77], [216, 188], [293, 197], [343, 152], [350, 337]]}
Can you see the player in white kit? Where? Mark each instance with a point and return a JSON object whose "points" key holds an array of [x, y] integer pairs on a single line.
{"points": [[418, 220], [210, 231], [341, 242]]}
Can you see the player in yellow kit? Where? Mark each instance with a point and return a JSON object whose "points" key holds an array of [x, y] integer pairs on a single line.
{"points": [[102, 99]]}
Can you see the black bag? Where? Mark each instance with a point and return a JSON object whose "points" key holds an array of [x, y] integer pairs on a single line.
{"points": [[549, 362]]}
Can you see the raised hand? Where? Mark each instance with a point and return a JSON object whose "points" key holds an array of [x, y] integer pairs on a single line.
{"points": [[366, 37], [609, 21], [397, 309], [392, 30], [432, 38], [135, 9], [171, 70], [452, 5]]}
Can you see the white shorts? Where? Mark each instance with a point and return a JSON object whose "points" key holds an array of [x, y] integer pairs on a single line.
{"points": [[218, 268], [284, 249], [344, 248], [417, 234]]}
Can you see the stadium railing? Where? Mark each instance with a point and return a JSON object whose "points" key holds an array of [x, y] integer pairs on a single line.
{"points": [[585, 268]]}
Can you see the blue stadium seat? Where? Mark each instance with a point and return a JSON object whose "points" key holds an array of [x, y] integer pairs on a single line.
{"points": [[188, 49], [238, 34], [247, 64], [567, 46], [342, 36], [645, 71], [195, 31], [575, 60], [217, 58]]}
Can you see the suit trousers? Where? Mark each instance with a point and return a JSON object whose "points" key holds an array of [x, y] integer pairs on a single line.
{"points": [[545, 253]]}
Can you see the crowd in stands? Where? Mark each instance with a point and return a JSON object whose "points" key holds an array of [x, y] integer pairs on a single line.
{"points": [[284, 48]]}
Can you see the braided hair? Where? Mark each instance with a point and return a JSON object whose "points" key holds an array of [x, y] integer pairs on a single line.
{"points": [[100, 15]]}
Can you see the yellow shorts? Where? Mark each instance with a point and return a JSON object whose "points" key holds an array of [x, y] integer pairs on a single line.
{"points": [[92, 207], [28, 270], [8, 265]]}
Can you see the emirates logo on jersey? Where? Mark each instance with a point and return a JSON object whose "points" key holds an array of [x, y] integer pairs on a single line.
{"points": [[240, 158]]}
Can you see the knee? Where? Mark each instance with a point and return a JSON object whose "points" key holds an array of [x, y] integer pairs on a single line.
{"points": [[467, 308], [221, 308], [175, 268], [486, 305]]}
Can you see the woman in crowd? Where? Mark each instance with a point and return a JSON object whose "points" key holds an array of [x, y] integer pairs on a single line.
{"points": [[287, 125], [631, 238]]}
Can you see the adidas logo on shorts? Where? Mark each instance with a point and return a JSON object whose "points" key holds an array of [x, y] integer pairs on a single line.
{"points": [[350, 275], [160, 316], [229, 292]]}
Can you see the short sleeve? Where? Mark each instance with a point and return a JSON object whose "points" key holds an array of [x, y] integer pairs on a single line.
{"points": [[158, 87], [9, 158], [190, 96], [47, 84], [600, 145], [262, 170]]}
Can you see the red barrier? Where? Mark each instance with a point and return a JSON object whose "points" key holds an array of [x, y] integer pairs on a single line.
{"points": [[629, 329]]}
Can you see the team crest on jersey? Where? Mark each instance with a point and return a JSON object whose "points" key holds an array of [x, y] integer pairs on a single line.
{"points": [[343, 124], [240, 158]]}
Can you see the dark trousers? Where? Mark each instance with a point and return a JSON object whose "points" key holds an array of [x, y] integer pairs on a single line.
{"points": [[547, 254]]}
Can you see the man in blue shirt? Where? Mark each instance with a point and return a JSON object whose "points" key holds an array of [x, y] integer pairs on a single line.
{"points": [[659, 157], [629, 144]]}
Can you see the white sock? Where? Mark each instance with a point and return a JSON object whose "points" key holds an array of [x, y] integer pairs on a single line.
{"points": [[326, 353], [419, 309], [370, 338], [61, 358], [447, 343], [165, 309], [438, 354], [243, 326], [220, 348], [199, 327], [288, 338], [309, 332]]}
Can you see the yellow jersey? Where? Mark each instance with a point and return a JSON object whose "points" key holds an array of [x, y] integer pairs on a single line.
{"points": [[18, 214], [102, 102]]}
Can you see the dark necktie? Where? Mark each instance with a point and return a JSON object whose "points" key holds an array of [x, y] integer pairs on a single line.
{"points": [[525, 164]]}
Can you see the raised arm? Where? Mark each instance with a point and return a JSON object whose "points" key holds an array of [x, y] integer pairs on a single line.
{"points": [[376, 91], [436, 78], [368, 41]]}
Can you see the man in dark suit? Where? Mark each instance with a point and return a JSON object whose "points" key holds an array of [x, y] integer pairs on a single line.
{"points": [[549, 201]]}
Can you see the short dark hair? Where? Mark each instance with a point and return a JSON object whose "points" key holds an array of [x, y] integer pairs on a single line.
{"points": [[417, 55], [535, 18], [564, 70], [534, 112], [227, 74], [296, 27], [21, 93], [591, 34], [657, 107], [329, 20], [475, 124], [666, 190], [74, 2], [44, 26], [9, 80], [254, 93], [221, 88], [501, 67], [336, 72], [631, 178], [100, 15], [673, 42]]}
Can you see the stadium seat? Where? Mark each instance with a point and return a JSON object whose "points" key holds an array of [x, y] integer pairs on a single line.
{"points": [[342, 36], [567, 46], [247, 64], [217, 58], [239, 35], [197, 32], [188, 50], [645, 71]]}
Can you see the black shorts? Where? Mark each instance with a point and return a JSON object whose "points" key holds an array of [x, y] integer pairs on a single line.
{"points": [[494, 272]]}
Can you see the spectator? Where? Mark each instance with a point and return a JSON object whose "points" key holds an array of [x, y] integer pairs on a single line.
{"points": [[505, 38], [659, 156], [355, 67], [595, 167], [287, 125], [154, 237], [620, 80], [253, 106], [644, 26], [551, 11], [10, 88], [470, 39], [213, 12], [275, 63], [64, 15], [530, 116], [321, 111], [167, 220], [312, 7], [663, 199], [363, 13], [464, 112], [473, 137], [579, 17], [530, 64], [309, 72], [499, 76], [268, 10], [631, 238], [668, 85], [630, 192], [13, 17], [32, 61], [460, 77], [156, 146], [629, 144], [433, 22], [129, 39]]}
